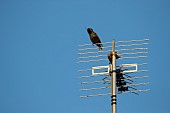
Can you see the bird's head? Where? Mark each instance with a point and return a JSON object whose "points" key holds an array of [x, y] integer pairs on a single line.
{"points": [[89, 30]]}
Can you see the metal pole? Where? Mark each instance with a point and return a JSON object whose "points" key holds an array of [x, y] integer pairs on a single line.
{"points": [[113, 79]]}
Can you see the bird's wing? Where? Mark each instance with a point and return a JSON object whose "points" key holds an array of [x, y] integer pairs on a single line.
{"points": [[98, 40]]}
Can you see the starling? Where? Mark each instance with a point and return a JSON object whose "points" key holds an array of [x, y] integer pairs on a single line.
{"points": [[94, 38]]}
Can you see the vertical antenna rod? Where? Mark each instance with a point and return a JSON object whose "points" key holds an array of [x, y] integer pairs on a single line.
{"points": [[113, 78]]}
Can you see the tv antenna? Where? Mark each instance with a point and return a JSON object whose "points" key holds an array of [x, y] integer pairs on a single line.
{"points": [[123, 77]]}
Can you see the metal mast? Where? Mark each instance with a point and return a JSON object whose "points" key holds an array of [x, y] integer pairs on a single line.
{"points": [[113, 78]]}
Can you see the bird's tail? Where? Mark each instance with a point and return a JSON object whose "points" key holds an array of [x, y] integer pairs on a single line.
{"points": [[100, 48]]}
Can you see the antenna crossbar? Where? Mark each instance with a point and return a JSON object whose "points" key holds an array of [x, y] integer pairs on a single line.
{"points": [[83, 61], [86, 89], [133, 57], [95, 95], [128, 49], [131, 53], [100, 81], [135, 85], [134, 91], [132, 41], [132, 45]]}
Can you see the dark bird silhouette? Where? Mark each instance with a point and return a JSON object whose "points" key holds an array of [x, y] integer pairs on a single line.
{"points": [[94, 38], [109, 56]]}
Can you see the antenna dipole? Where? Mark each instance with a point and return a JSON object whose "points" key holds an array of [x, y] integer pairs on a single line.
{"points": [[117, 77]]}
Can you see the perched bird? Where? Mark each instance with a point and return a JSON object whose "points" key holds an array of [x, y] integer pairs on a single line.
{"points": [[94, 38]]}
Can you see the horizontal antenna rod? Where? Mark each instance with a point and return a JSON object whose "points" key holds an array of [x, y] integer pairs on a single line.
{"points": [[97, 56], [143, 83], [94, 75], [142, 64], [131, 91], [135, 91], [85, 76], [100, 81], [116, 42], [124, 45], [95, 95], [132, 41], [128, 49], [94, 48], [140, 77], [86, 89], [136, 72], [122, 57], [133, 78], [84, 70], [96, 43], [143, 71], [92, 52], [130, 53], [91, 56], [133, 57], [83, 61]]}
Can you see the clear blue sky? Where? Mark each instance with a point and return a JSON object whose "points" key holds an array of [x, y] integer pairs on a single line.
{"points": [[38, 46]]}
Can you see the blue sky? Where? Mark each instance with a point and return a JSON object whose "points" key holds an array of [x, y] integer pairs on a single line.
{"points": [[38, 51]]}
